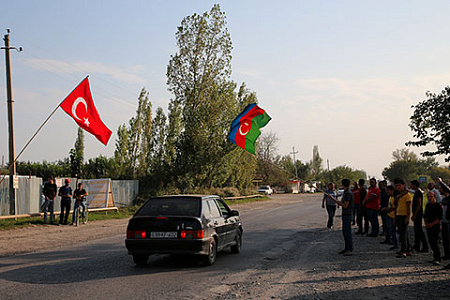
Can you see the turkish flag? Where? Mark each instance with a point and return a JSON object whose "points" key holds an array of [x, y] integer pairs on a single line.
{"points": [[80, 106]]}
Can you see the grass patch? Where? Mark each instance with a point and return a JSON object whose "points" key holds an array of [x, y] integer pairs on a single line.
{"points": [[247, 200]]}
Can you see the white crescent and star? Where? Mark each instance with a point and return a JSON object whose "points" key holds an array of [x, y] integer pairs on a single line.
{"points": [[74, 110], [247, 126]]}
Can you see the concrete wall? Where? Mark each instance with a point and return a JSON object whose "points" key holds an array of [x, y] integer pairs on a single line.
{"points": [[30, 191]]}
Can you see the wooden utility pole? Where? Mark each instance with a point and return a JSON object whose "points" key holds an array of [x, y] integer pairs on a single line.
{"points": [[12, 164]]}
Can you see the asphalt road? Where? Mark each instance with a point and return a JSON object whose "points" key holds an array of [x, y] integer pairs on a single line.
{"points": [[102, 269], [286, 254]]}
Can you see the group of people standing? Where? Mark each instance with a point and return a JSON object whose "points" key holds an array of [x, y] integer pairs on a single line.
{"points": [[397, 206], [65, 192]]}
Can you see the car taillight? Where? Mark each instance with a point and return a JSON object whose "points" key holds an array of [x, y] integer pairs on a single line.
{"points": [[140, 234], [130, 234], [136, 234], [192, 234]]}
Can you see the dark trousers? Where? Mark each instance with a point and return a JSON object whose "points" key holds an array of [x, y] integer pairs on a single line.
{"points": [[359, 217], [384, 222], [65, 209], [366, 219], [372, 215], [391, 231], [433, 236], [445, 238], [403, 233], [419, 236], [347, 232], [331, 210]]}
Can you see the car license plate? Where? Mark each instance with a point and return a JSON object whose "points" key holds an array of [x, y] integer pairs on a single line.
{"points": [[163, 235]]}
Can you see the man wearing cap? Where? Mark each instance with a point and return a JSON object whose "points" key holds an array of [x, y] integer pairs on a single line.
{"points": [[65, 192]]}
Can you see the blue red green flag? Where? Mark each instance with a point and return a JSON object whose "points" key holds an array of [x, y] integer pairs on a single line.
{"points": [[245, 127]]}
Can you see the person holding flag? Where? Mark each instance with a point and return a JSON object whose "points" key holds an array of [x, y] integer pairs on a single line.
{"points": [[347, 210]]}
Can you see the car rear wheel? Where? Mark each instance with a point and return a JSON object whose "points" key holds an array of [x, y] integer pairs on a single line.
{"points": [[237, 247], [210, 259], [140, 260]]}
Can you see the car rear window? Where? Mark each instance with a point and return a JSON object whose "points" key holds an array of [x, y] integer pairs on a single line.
{"points": [[171, 207]]}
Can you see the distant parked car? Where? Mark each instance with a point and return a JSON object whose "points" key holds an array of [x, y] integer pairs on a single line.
{"points": [[340, 192], [265, 189], [184, 224]]}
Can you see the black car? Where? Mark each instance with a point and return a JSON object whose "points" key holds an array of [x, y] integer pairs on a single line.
{"points": [[184, 224]]}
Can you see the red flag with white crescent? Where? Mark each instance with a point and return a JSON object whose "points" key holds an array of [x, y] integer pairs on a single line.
{"points": [[80, 106]]}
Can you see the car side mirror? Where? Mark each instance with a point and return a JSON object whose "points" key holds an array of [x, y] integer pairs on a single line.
{"points": [[234, 213]]}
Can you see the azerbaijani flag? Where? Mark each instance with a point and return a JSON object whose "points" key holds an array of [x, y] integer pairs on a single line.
{"points": [[245, 127]]}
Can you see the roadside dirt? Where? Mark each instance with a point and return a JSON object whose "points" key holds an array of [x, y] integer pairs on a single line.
{"points": [[308, 266]]}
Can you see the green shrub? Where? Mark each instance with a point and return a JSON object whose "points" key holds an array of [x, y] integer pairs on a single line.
{"points": [[231, 192]]}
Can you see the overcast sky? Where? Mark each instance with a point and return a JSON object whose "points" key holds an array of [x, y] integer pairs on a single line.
{"points": [[338, 74]]}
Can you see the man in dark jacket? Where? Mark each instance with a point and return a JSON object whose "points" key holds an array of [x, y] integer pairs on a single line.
{"points": [[433, 217], [347, 210], [49, 192], [417, 218], [65, 192], [445, 217]]}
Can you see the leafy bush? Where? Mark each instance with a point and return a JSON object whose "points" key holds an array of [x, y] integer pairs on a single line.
{"points": [[231, 192]]}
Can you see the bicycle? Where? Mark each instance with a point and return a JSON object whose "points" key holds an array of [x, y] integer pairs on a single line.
{"points": [[78, 212]]}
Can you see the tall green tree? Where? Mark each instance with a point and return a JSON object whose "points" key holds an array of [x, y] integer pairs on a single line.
{"points": [[430, 124], [337, 174], [302, 168], [316, 164], [408, 166], [133, 143], [205, 101], [76, 155], [270, 165]]}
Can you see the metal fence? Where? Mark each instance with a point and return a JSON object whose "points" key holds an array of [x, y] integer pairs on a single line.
{"points": [[30, 190]]}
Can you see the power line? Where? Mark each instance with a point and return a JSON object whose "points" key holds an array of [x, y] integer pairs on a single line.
{"points": [[60, 70]]}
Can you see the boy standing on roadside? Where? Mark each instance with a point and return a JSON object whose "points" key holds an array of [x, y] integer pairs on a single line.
{"points": [[417, 218], [347, 209], [402, 216], [391, 233], [372, 204], [65, 192], [49, 191], [362, 209], [357, 204], [445, 224], [433, 216]]}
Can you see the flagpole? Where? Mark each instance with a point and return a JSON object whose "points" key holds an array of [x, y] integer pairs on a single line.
{"points": [[31, 139], [37, 131]]}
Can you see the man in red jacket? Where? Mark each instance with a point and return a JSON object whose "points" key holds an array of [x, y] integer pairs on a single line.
{"points": [[372, 204]]}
